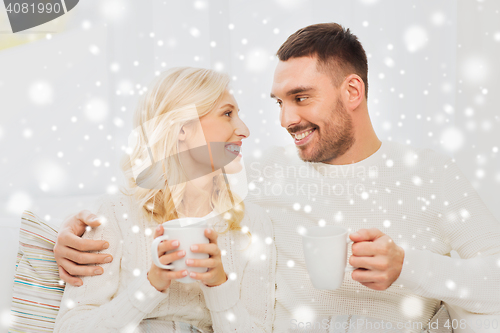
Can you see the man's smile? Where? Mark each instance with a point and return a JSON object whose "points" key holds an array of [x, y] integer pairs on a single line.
{"points": [[302, 137]]}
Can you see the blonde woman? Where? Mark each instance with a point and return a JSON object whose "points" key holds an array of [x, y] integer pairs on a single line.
{"points": [[131, 294]]}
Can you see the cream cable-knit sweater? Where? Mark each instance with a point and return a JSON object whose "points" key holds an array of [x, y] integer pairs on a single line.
{"points": [[418, 197], [123, 300]]}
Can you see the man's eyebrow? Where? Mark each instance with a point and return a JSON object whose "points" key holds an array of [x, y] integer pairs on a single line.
{"points": [[296, 90]]}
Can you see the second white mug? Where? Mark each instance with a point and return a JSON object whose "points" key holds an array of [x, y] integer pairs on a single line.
{"points": [[325, 254]]}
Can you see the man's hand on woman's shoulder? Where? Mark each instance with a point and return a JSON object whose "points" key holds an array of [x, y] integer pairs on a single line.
{"points": [[72, 252]]}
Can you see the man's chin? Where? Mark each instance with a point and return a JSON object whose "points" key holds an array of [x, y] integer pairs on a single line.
{"points": [[305, 155]]}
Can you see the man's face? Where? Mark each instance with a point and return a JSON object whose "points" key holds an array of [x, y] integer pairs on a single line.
{"points": [[312, 110]]}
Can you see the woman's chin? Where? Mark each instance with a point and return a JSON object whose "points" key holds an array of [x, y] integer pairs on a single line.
{"points": [[234, 167]]}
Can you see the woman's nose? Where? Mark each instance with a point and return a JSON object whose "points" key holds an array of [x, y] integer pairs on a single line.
{"points": [[242, 129]]}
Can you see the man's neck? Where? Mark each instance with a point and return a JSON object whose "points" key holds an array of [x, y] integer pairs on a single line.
{"points": [[360, 150]]}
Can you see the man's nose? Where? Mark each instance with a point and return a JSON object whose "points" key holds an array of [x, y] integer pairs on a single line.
{"points": [[288, 116]]}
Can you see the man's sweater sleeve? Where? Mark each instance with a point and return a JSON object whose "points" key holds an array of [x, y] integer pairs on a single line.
{"points": [[245, 302], [96, 306], [472, 281]]}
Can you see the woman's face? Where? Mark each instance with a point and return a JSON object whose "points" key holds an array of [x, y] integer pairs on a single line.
{"points": [[223, 131]]}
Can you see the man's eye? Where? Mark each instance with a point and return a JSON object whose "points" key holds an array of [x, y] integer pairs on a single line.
{"points": [[279, 103], [301, 99]]}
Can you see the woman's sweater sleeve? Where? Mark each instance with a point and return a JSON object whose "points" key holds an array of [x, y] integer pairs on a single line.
{"points": [[472, 281], [245, 302], [96, 306]]}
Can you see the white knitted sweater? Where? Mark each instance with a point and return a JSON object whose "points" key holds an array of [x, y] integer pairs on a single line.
{"points": [[123, 300], [418, 197]]}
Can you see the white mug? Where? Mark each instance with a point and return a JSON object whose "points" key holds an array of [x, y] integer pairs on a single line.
{"points": [[325, 253], [187, 236]]}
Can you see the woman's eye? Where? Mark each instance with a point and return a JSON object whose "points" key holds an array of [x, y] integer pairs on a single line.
{"points": [[228, 113]]}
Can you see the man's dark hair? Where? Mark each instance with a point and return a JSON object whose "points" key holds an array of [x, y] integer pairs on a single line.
{"points": [[338, 51]]}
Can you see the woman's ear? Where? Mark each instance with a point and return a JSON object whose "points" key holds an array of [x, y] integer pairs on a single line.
{"points": [[182, 134]]}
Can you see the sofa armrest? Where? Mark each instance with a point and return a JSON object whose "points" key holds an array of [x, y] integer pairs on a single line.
{"points": [[463, 321]]}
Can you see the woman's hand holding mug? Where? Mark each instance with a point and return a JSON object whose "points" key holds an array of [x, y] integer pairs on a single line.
{"points": [[215, 275], [186, 253], [161, 278]]}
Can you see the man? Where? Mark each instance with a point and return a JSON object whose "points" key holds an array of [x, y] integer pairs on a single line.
{"points": [[407, 208]]}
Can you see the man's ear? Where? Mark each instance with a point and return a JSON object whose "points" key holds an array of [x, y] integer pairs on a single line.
{"points": [[354, 92]]}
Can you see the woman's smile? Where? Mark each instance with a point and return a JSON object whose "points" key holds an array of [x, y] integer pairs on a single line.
{"points": [[234, 148]]}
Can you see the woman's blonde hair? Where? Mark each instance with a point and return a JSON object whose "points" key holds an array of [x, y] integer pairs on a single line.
{"points": [[159, 117]]}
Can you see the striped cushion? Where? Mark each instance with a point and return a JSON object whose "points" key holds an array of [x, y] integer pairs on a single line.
{"points": [[37, 289]]}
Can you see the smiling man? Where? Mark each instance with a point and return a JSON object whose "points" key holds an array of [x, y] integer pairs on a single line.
{"points": [[407, 208], [313, 111]]}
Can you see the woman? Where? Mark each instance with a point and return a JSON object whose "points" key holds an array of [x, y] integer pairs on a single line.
{"points": [[185, 147]]}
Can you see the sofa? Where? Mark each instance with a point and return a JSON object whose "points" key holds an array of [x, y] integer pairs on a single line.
{"points": [[53, 210]]}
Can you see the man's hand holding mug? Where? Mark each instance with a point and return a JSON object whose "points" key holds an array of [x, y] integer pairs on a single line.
{"points": [[378, 258], [376, 261]]}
